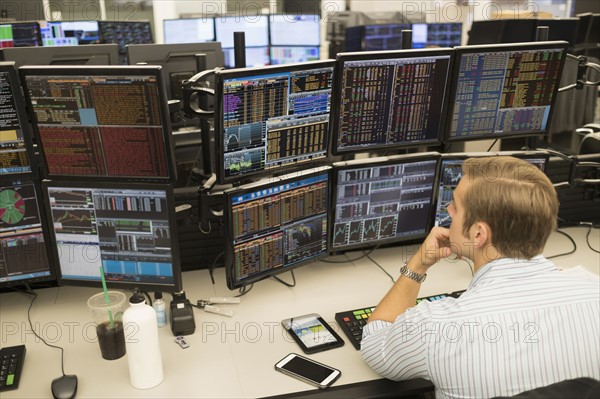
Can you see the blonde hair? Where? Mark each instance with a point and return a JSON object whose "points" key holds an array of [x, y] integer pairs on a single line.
{"points": [[515, 198]]}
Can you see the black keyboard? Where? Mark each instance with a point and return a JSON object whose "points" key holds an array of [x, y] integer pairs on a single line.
{"points": [[11, 365], [353, 321]]}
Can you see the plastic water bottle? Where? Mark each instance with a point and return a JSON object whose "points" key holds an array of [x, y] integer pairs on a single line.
{"points": [[161, 309], [141, 342]]}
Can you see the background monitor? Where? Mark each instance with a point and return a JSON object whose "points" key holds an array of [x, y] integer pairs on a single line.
{"points": [[382, 200], [271, 119], [519, 30], [127, 228], [504, 90], [389, 100], [94, 54], [436, 35], [295, 30], [255, 57], [53, 35], [123, 33], [15, 137], [20, 34], [255, 27], [451, 173], [189, 30], [561, 29], [383, 37], [275, 227], [179, 61], [23, 252], [294, 54], [108, 122], [86, 32], [486, 32]]}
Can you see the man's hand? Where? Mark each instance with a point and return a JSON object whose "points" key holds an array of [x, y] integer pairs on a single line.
{"points": [[435, 247]]}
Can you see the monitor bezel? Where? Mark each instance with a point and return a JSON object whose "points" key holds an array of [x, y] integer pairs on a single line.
{"points": [[265, 184], [334, 119], [220, 77], [462, 156], [21, 108], [501, 48], [170, 202], [377, 162], [122, 70], [45, 227]]}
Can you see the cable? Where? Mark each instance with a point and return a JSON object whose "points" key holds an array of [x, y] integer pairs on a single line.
{"points": [[492, 146], [244, 290], [62, 351], [587, 239], [212, 267], [381, 267], [286, 283], [566, 253], [364, 255]]}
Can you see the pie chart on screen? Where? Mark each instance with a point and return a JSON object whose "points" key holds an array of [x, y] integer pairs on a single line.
{"points": [[12, 207]]}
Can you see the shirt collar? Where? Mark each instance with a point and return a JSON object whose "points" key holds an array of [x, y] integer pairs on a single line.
{"points": [[510, 268]]}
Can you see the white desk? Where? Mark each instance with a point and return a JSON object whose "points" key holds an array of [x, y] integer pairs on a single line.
{"points": [[229, 357]]}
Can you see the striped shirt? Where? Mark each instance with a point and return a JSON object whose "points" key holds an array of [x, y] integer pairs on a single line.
{"points": [[520, 325]]}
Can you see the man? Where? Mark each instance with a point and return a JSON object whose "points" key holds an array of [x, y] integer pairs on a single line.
{"points": [[521, 324]]}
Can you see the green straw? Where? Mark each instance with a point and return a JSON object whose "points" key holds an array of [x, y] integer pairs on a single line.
{"points": [[110, 315]]}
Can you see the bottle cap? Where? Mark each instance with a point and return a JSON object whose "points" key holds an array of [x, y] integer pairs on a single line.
{"points": [[158, 295], [137, 297]]}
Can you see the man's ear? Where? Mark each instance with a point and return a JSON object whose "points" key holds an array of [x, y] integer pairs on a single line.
{"points": [[481, 234]]}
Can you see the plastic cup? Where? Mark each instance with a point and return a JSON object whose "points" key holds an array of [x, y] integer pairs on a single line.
{"points": [[109, 322]]}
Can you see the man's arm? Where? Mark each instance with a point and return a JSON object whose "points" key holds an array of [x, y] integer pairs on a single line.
{"points": [[405, 291]]}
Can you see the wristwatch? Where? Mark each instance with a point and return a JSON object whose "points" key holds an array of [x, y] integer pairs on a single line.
{"points": [[405, 271]]}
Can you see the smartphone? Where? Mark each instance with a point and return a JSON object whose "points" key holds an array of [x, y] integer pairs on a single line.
{"points": [[312, 333], [308, 370]]}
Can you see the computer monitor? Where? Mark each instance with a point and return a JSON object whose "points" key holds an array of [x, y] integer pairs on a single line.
{"points": [[486, 32], [583, 29], [96, 123], [53, 35], [436, 35], [189, 30], [504, 90], [16, 147], [561, 29], [382, 200], [295, 30], [275, 227], [86, 32], [127, 228], [255, 57], [451, 173], [294, 54], [255, 27], [518, 30], [123, 33], [23, 251], [20, 34], [271, 119], [179, 61], [383, 37], [93, 54], [389, 100]]}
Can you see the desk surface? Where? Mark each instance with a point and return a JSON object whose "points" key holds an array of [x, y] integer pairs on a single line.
{"points": [[230, 357]]}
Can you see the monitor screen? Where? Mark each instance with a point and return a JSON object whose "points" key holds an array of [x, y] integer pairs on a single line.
{"points": [[177, 60], [451, 173], [93, 54], [295, 30], [20, 34], [293, 54], [504, 90], [271, 119], [189, 30], [382, 200], [23, 254], [255, 57], [53, 35], [15, 138], [255, 27], [123, 33], [383, 37], [387, 100], [436, 35], [86, 32], [127, 228], [275, 227], [106, 122]]}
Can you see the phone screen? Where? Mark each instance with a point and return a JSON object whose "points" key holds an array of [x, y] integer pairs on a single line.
{"points": [[311, 331], [307, 369]]}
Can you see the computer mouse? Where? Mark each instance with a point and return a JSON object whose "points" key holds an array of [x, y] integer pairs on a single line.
{"points": [[64, 387]]}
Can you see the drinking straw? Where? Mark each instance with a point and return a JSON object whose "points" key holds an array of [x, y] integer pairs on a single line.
{"points": [[110, 315]]}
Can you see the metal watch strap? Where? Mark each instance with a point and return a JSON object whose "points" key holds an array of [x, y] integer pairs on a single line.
{"points": [[405, 271]]}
